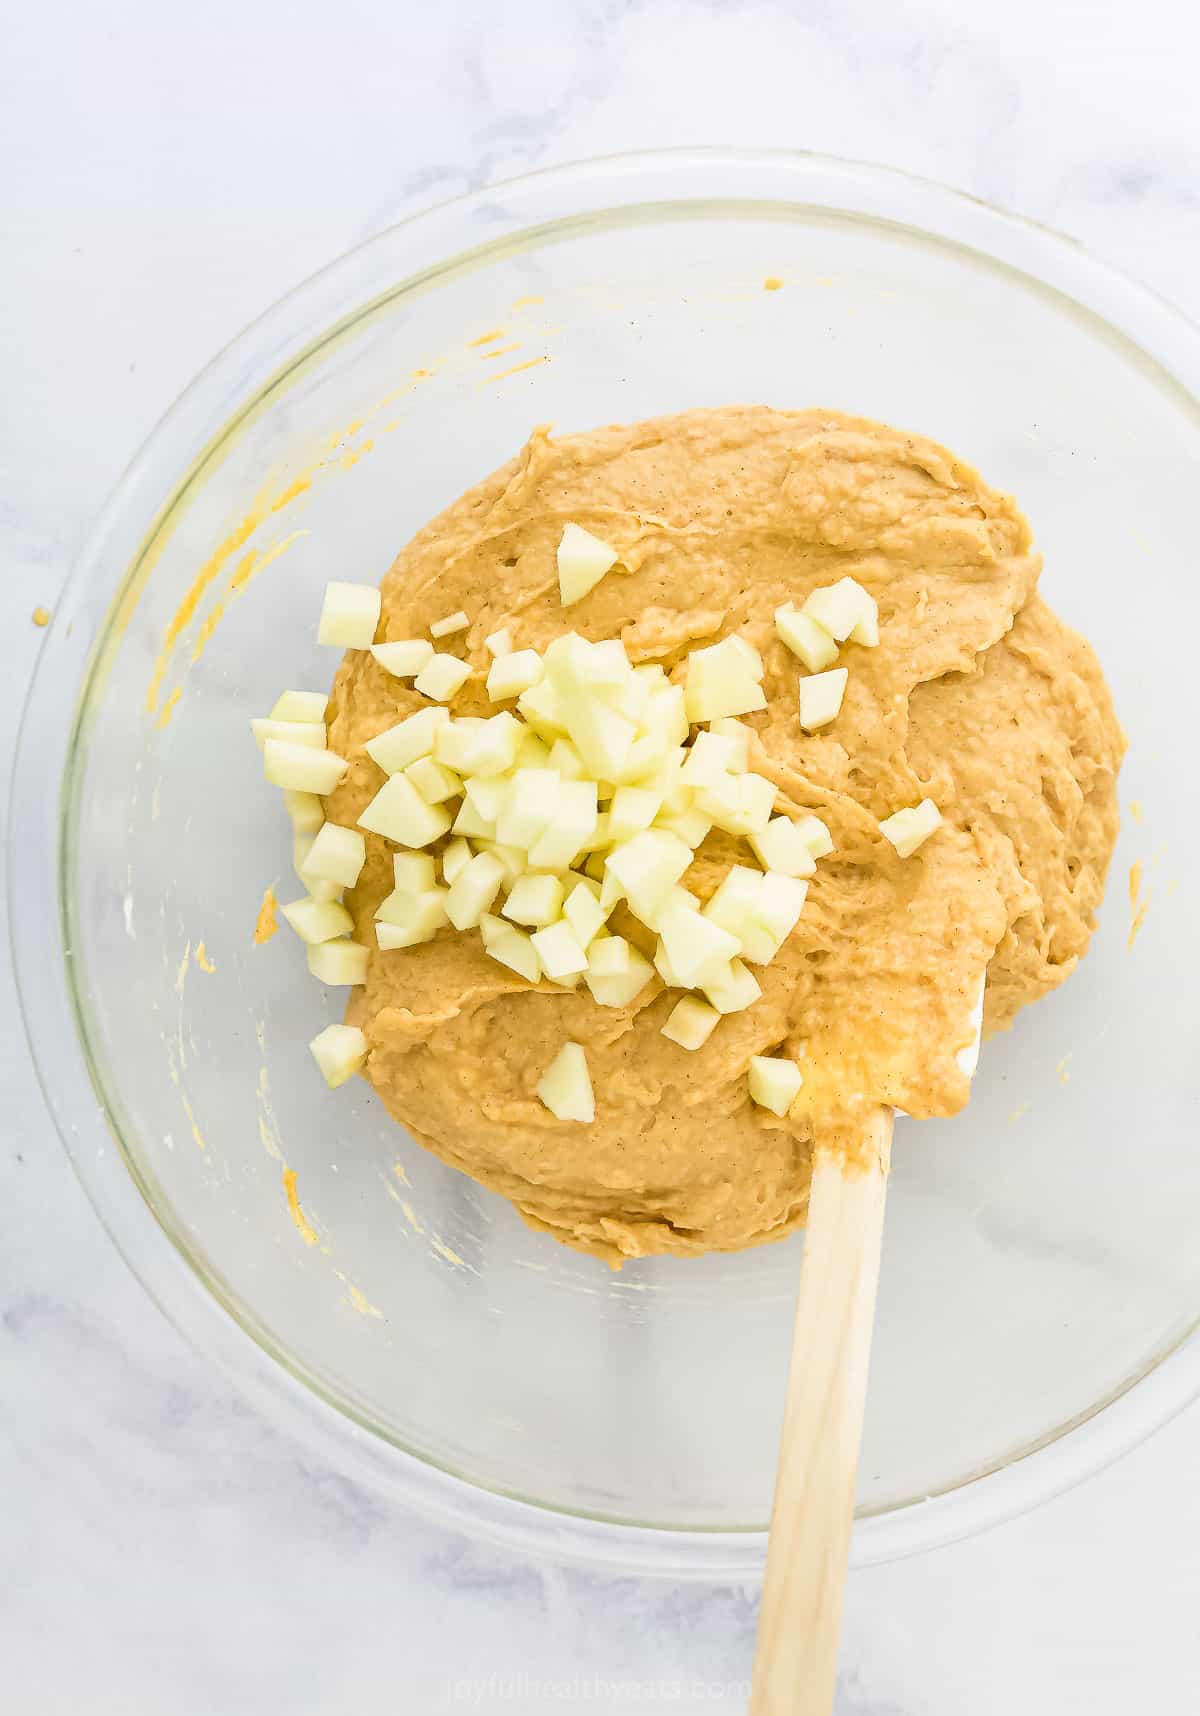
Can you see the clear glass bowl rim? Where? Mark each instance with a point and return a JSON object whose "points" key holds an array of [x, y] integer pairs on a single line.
{"points": [[105, 574]]}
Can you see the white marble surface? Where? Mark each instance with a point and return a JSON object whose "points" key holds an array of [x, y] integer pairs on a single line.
{"points": [[165, 172]]}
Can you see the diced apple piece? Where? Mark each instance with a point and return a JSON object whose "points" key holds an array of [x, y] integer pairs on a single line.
{"points": [[606, 666], [691, 1023], [600, 838], [493, 745], [532, 752], [457, 622], [337, 855], [908, 829], [542, 707], [866, 630], [499, 642], [304, 706], [572, 826], [603, 738], [651, 915], [470, 823], [455, 738], [339, 1051], [511, 947], [310, 733], [735, 902], [734, 990], [559, 656], [666, 715], [341, 964], [709, 696], [531, 807], [442, 677], [840, 607], [319, 889], [416, 736], [405, 920], [728, 727], [473, 890], [305, 810], [610, 888], [511, 858], [349, 615], [665, 969], [413, 872], [781, 846], [455, 857], [774, 1083], [717, 972], [318, 920], [559, 950], [566, 1087], [693, 941], [399, 813], [619, 991], [805, 638], [510, 675], [821, 698], [692, 826], [488, 795], [392, 937], [676, 794], [405, 658], [644, 760], [633, 808], [740, 804], [724, 680], [490, 926], [534, 900], [582, 561], [631, 698], [420, 914], [709, 761], [611, 956], [584, 913], [566, 761], [302, 769], [654, 673], [575, 664], [967, 1058], [751, 660], [647, 867], [617, 972], [818, 837], [433, 781], [777, 910]]}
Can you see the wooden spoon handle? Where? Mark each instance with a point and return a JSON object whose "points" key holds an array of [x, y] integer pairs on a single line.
{"points": [[795, 1668]]}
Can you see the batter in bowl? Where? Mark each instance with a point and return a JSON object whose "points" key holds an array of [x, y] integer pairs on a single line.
{"points": [[977, 697]]}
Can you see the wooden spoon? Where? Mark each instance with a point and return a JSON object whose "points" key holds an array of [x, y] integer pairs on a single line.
{"points": [[795, 1666]]}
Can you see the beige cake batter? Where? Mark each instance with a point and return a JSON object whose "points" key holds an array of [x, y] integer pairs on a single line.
{"points": [[977, 696]]}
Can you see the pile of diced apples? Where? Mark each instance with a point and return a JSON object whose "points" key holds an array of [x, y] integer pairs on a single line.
{"points": [[596, 788]]}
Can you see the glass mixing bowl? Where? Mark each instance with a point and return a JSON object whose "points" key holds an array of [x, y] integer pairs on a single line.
{"points": [[1041, 1278]]}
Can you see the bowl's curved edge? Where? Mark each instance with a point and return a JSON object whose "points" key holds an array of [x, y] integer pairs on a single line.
{"points": [[40, 956]]}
